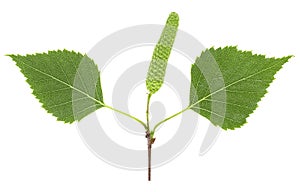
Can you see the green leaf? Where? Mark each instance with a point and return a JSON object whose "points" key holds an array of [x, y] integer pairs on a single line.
{"points": [[66, 83], [227, 84], [161, 53]]}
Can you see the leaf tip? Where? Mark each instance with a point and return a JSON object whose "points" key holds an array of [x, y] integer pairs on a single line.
{"points": [[289, 57], [10, 55]]}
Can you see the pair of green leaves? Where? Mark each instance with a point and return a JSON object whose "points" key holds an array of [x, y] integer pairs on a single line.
{"points": [[226, 84]]}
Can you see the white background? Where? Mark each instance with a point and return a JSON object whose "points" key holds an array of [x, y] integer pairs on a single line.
{"points": [[37, 153]]}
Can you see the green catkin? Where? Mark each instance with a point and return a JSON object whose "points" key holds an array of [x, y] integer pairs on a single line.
{"points": [[161, 53]]}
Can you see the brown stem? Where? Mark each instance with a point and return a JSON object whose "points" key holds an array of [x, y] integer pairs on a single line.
{"points": [[150, 141], [148, 136], [149, 162]]}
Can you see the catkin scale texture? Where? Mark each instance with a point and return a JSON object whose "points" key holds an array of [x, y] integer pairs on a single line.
{"points": [[161, 53]]}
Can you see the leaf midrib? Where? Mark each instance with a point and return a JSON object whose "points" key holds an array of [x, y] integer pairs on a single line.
{"points": [[61, 81], [233, 83]]}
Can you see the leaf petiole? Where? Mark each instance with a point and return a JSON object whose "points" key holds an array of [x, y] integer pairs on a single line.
{"points": [[128, 115], [166, 119]]}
